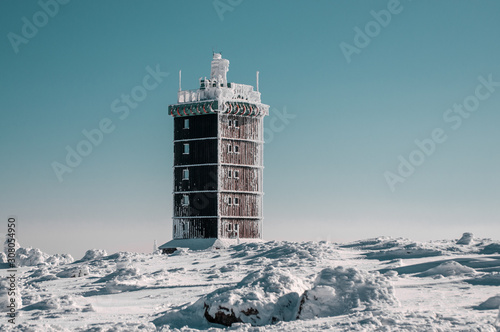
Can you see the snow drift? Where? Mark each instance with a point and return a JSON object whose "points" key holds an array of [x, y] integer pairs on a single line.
{"points": [[34, 257], [94, 254], [447, 269], [466, 239], [339, 290], [273, 295], [492, 303]]}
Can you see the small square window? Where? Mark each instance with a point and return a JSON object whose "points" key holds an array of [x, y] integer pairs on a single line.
{"points": [[230, 174], [186, 148], [229, 201], [186, 123], [185, 200], [236, 174], [229, 148], [236, 149], [236, 201], [185, 174]]}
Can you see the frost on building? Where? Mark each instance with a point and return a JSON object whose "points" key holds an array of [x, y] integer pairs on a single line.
{"points": [[218, 162]]}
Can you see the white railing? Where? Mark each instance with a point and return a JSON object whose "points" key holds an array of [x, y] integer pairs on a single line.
{"points": [[235, 92]]}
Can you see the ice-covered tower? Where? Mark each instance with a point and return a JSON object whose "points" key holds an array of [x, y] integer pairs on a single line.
{"points": [[218, 162]]}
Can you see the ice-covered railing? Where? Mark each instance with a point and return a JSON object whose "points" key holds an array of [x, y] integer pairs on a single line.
{"points": [[234, 91]]}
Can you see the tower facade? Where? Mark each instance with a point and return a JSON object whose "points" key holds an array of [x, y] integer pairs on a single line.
{"points": [[218, 162]]}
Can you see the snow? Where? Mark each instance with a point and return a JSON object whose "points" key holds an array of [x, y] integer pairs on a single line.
{"points": [[447, 269], [94, 254], [35, 257], [466, 239], [261, 298], [339, 290], [490, 304], [264, 286]]}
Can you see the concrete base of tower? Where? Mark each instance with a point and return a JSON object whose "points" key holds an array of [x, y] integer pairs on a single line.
{"points": [[201, 244]]}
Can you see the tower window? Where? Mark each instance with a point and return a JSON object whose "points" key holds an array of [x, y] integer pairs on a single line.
{"points": [[236, 174], [236, 149], [185, 200], [229, 201], [230, 174], [186, 123], [236, 201], [230, 123], [229, 148], [186, 148], [185, 174], [236, 124]]}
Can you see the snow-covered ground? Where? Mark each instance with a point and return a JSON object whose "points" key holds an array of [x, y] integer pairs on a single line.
{"points": [[382, 284]]}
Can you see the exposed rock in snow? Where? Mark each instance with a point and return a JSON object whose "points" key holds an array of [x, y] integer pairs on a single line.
{"points": [[466, 239], [3, 257], [339, 290], [274, 295], [261, 298], [447, 269]]}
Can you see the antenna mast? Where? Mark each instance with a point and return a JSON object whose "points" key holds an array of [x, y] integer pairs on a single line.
{"points": [[180, 80], [257, 81]]}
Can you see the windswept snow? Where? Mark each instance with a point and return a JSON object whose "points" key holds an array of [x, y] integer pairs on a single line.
{"points": [[447, 269], [492, 303], [381, 284], [466, 239], [337, 291], [94, 254]]}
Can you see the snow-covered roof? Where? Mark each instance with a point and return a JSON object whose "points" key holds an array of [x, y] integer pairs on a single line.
{"points": [[229, 96]]}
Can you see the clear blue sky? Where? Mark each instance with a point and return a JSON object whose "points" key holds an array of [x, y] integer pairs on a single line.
{"points": [[324, 176]]}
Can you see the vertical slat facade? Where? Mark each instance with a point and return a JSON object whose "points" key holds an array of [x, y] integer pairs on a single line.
{"points": [[237, 178], [195, 228], [241, 157], [218, 178]]}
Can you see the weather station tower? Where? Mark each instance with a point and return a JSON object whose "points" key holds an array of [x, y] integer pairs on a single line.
{"points": [[218, 162]]}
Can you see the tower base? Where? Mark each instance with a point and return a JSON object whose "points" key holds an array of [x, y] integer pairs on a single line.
{"points": [[201, 244]]}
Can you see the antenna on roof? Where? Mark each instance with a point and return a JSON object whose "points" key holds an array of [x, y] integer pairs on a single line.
{"points": [[257, 81], [180, 77]]}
